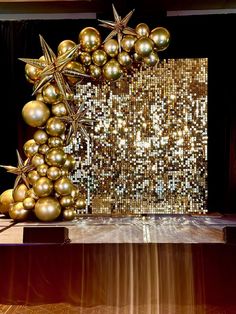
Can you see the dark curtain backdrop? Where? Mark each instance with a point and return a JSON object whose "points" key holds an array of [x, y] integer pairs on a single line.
{"points": [[210, 37]]}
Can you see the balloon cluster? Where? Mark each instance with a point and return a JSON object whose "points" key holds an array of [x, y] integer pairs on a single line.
{"points": [[43, 187]]}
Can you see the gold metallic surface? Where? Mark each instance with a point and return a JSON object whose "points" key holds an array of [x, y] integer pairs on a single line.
{"points": [[53, 173], [69, 214], [63, 186], [112, 70], [43, 187], [40, 137], [51, 94], [142, 29], [29, 203], [6, 200], [18, 213], [144, 46], [55, 157], [30, 148], [111, 47], [90, 39], [161, 38], [47, 209], [19, 193], [55, 126], [35, 113], [99, 57]]}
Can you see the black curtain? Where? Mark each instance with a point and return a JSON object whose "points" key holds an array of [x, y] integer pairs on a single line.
{"points": [[191, 37]]}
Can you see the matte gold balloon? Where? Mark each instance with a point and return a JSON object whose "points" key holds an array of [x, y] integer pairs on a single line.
{"points": [[144, 46], [95, 71], [111, 47], [35, 113], [112, 70], [55, 141], [69, 214], [70, 162], [6, 201], [161, 38], [63, 186], [127, 43], [33, 176], [18, 213], [85, 58], [47, 209], [55, 157], [29, 203], [32, 72], [65, 46], [66, 201], [53, 173], [51, 94], [99, 57], [30, 148], [43, 149], [19, 193], [59, 110], [40, 137], [80, 203], [37, 160], [78, 68], [43, 187], [152, 59], [55, 127], [142, 29], [90, 39], [124, 59], [42, 170]]}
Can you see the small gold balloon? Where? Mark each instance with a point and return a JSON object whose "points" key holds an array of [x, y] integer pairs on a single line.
{"points": [[70, 162], [43, 149], [6, 201], [39, 96], [142, 29], [43, 187], [19, 193], [95, 71], [99, 57], [112, 70], [32, 72], [55, 157], [47, 209], [42, 170], [161, 38], [18, 213], [90, 39], [124, 59], [85, 58], [137, 58], [75, 192], [127, 43], [59, 110], [66, 201], [33, 176], [37, 160], [76, 67], [80, 203], [144, 46], [69, 214], [40, 137], [28, 203], [55, 141], [30, 193], [111, 47], [63, 186], [65, 46], [35, 113], [51, 94], [55, 127], [152, 59], [30, 148]]}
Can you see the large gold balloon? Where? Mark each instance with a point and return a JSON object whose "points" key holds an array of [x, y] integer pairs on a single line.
{"points": [[90, 39], [32, 72], [33, 176], [111, 47], [142, 29], [66, 201], [40, 137], [95, 71], [6, 201], [18, 213], [144, 46], [127, 43], [99, 57], [77, 68], [59, 110], [47, 209], [152, 59], [55, 127], [37, 160], [19, 193], [63, 186], [70, 162], [28, 203], [112, 70], [55, 141], [85, 58], [30, 148], [124, 59], [69, 214], [42, 170], [55, 157], [35, 113], [53, 173], [51, 94], [64, 46], [161, 38], [43, 187]]}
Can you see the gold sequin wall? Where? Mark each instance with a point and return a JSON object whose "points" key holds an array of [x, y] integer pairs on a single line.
{"points": [[147, 151]]}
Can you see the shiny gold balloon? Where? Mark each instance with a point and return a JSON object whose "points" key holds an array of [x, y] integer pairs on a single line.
{"points": [[80, 203], [40, 137], [137, 58], [55, 127], [66, 201], [152, 59], [142, 29], [47, 209], [33, 176], [99, 57], [64, 46], [37, 160], [124, 59], [30, 193], [70, 162], [43, 149], [90, 39], [75, 192], [32, 72], [85, 58], [95, 71], [111, 47], [55, 141], [161, 38], [35, 113], [43, 187], [112, 70], [29, 79], [30, 148], [18, 213], [19, 193], [77, 68], [59, 110], [69, 214], [39, 96], [63, 186], [127, 43], [6, 201], [28, 203], [54, 173], [42, 170], [144, 46], [55, 157], [51, 94]]}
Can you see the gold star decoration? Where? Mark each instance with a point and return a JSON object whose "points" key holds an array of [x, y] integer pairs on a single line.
{"points": [[119, 26], [21, 170]]}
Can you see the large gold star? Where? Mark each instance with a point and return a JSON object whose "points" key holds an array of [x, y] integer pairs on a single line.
{"points": [[21, 170], [119, 26]]}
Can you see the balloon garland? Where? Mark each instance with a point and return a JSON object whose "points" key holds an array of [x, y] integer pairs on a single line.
{"points": [[42, 187]]}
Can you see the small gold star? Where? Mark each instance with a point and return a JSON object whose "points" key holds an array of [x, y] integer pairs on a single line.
{"points": [[21, 170], [119, 26]]}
